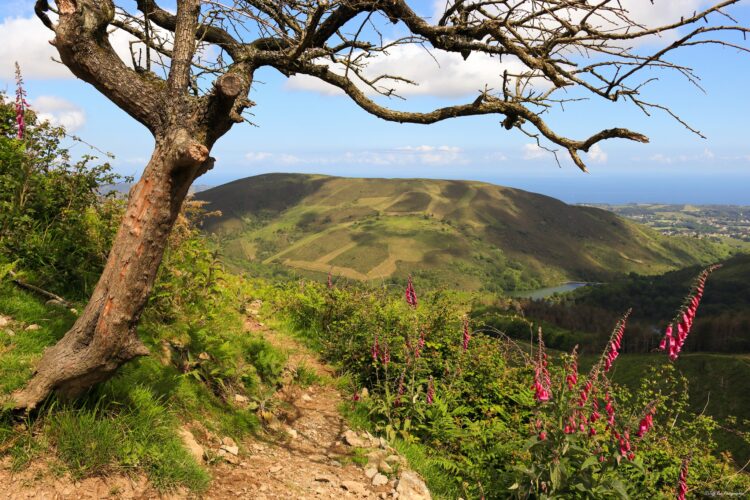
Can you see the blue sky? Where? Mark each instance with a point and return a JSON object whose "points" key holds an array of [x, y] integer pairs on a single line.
{"points": [[303, 128]]}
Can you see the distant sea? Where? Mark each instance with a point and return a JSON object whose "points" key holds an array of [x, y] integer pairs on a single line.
{"points": [[696, 190]]}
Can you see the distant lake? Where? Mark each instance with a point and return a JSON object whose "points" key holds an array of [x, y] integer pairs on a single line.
{"points": [[543, 293]]}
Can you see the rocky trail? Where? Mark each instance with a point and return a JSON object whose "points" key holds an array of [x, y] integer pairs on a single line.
{"points": [[308, 452]]}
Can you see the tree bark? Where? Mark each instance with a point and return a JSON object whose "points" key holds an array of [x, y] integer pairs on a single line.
{"points": [[104, 336]]}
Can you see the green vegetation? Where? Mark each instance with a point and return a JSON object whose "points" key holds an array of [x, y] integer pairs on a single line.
{"points": [[457, 401], [52, 217], [723, 324], [201, 359], [457, 234], [715, 358], [719, 386], [56, 227], [444, 382]]}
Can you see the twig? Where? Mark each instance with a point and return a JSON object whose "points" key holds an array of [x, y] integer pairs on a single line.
{"points": [[39, 291]]}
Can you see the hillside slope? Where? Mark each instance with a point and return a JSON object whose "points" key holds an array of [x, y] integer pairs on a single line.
{"points": [[457, 233]]}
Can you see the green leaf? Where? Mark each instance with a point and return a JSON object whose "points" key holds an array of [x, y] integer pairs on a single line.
{"points": [[555, 477], [592, 460]]}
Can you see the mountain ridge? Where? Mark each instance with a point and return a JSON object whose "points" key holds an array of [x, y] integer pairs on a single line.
{"points": [[466, 234]]}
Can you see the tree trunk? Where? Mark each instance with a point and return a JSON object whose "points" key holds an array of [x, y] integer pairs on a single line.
{"points": [[104, 336]]}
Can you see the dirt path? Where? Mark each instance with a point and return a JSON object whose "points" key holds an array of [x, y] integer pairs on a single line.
{"points": [[308, 453], [310, 459]]}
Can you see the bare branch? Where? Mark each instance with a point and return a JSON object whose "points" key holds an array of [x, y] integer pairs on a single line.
{"points": [[559, 51]]}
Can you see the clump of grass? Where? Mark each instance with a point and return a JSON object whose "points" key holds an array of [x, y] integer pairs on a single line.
{"points": [[304, 376], [360, 456], [137, 433], [87, 442]]}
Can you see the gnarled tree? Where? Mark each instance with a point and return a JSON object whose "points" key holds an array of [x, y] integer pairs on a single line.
{"points": [[547, 52]]}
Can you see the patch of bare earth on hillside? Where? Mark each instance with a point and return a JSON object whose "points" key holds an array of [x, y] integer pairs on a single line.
{"points": [[308, 452], [39, 481]]}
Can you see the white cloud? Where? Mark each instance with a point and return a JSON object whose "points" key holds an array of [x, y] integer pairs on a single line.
{"points": [[26, 40], [735, 157], [644, 12], [597, 155], [495, 156], [59, 112], [406, 155], [432, 155], [439, 73], [706, 155], [533, 152], [255, 156], [287, 159]]}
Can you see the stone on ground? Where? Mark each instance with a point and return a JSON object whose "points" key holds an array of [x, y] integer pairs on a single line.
{"points": [[411, 487], [195, 449]]}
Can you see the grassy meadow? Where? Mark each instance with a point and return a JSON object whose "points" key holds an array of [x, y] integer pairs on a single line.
{"points": [[459, 234]]}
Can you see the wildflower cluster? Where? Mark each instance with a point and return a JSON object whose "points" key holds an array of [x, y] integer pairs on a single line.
{"points": [[413, 347], [570, 425], [432, 381], [467, 334], [683, 320], [21, 104], [542, 382], [411, 295], [682, 481], [615, 343]]}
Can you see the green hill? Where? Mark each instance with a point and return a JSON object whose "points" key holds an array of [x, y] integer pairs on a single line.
{"points": [[455, 233]]}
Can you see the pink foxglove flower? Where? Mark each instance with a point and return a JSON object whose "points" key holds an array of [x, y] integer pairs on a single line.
{"points": [[400, 389], [684, 317], [682, 481], [595, 412], [610, 409], [542, 382], [615, 343], [646, 422], [411, 295], [584, 395], [467, 335], [625, 444], [330, 280], [385, 354], [420, 345], [430, 391], [572, 377], [21, 104], [375, 350]]}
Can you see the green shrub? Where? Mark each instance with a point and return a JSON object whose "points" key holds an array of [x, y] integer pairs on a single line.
{"points": [[54, 220], [466, 414]]}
